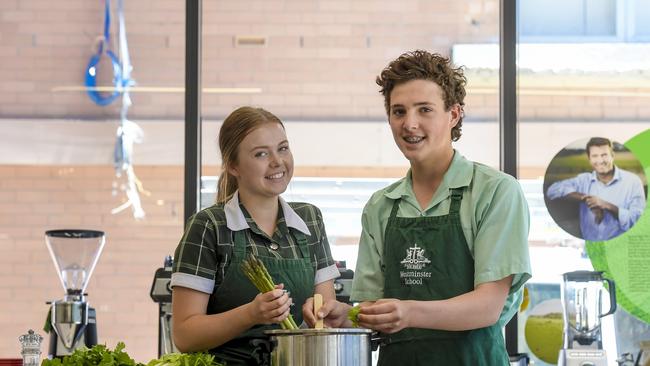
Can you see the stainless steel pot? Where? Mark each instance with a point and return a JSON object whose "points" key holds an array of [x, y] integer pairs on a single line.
{"points": [[321, 347]]}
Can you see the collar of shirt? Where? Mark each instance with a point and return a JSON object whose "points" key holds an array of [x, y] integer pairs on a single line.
{"points": [[458, 175], [617, 176], [236, 221]]}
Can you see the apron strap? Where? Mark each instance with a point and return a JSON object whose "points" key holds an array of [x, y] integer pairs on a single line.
{"points": [[393, 215], [239, 247], [393, 211], [456, 197], [301, 241]]}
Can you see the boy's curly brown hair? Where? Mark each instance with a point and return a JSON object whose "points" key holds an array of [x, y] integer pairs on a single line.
{"points": [[423, 65]]}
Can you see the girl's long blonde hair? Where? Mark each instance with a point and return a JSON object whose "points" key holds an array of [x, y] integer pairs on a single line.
{"points": [[234, 129]]}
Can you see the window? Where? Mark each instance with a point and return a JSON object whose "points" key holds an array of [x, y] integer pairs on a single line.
{"points": [[553, 21], [570, 18]]}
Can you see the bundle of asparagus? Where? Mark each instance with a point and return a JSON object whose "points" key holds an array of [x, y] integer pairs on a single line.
{"points": [[256, 272]]}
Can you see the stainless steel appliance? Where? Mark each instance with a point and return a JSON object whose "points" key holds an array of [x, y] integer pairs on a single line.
{"points": [[161, 293], [321, 347], [519, 359], [581, 296], [343, 284], [75, 254]]}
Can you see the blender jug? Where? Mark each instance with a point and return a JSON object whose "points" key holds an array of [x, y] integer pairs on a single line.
{"points": [[582, 300]]}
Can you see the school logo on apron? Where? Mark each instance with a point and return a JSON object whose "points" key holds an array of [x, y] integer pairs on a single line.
{"points": [[414, 262], [415, 258]]}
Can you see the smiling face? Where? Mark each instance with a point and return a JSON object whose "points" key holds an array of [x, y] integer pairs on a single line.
{"points": [[264, 163], [601, 158], [420, 124]]}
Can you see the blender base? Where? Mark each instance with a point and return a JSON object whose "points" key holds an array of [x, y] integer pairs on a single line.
{"points": [[582, 357]]}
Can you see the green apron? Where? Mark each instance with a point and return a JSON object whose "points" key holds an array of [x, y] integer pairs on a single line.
{"points": [[297, 275], [427, 258]]}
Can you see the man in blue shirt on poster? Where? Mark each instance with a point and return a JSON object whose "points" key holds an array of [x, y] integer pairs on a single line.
{"points": [[611, 199]]}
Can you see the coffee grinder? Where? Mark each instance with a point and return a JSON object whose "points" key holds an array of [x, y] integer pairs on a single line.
{"points": [[75, 254], [581, 295]]}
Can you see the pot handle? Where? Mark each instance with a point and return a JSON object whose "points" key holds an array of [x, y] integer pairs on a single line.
{"points": [[375, 340], [262, 350]]}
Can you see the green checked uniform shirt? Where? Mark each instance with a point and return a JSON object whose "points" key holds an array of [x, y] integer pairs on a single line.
{"points": [[205, 250]]}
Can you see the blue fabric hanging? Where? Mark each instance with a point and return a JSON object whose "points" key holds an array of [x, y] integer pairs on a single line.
{"points": [[92, 69]]}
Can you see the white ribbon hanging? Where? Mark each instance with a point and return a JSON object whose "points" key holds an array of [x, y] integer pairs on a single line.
{"points": [[128, 133]]}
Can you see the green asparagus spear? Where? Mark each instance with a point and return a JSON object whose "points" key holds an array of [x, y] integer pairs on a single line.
{"points": [[353, 315]]}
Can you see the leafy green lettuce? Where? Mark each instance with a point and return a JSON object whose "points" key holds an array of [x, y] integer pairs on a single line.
{"points": [[185, 359], [98, 355]]}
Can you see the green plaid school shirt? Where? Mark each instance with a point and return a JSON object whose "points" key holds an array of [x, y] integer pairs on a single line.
{"points": [[205, 250]]}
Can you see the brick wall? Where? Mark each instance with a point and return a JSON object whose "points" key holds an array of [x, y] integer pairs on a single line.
{"points": [[34, 199], [319, 61]]}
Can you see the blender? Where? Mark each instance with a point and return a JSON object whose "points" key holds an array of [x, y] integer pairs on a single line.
{"points": [[75, 254], [582, 302]]}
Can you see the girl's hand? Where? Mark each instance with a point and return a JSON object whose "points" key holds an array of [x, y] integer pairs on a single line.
{"points": [[333, 313], [270, 307]]}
